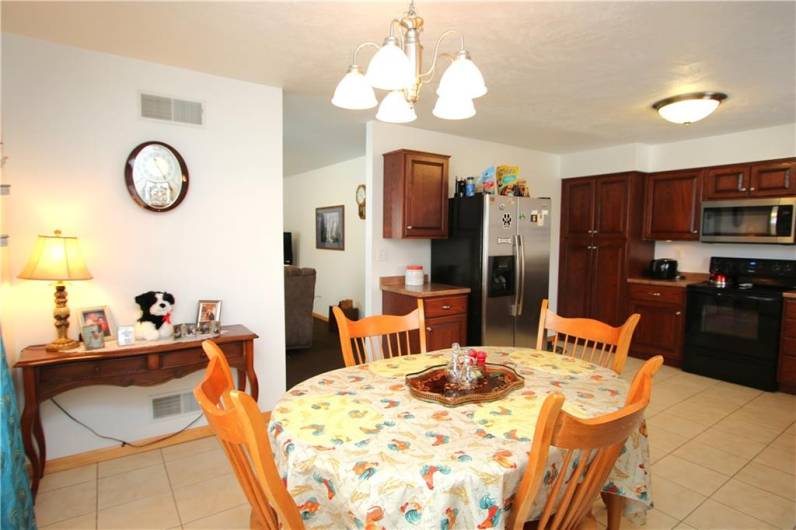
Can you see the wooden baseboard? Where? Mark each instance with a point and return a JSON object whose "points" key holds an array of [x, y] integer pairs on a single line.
{"points": [[110, 453], [320, 317]]}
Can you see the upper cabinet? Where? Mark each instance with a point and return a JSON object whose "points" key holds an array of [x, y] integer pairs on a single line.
{"points": [[671, 205], [773, 179], [415, 195], [748, 181], [672, 199], [577, 210]]}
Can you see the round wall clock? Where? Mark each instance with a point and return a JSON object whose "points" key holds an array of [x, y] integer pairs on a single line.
{"points": [[361, 200], [156, 176]]}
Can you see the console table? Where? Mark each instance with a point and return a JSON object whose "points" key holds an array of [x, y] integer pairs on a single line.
{"points": [[47, 374]]}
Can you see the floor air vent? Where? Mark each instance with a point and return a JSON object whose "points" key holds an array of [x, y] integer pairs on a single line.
{"points": [[169, 109], [173, 405]]}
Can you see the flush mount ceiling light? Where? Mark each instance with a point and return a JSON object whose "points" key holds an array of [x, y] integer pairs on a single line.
{"points": [[689, 108], [397, 67]]}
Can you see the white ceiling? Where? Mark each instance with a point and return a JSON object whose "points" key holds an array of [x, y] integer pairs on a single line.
{"points": [[562, 76]]}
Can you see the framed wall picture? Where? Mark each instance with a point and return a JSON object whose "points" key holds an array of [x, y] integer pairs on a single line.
{"points": [[207, 311], [330, 227], [97, 316]]}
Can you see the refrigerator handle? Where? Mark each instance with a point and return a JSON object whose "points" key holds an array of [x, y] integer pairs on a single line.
{"points": [[515, 308], [521, 257]]}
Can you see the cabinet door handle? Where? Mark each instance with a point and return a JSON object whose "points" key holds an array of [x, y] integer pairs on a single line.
{"points": [[409, 227], [752, 188], [429, 329], [740, 182], [694, 231], [787, 178], [678, 313], [654, 293], [446, 307]]}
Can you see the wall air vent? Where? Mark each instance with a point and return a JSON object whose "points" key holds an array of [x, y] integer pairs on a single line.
{"points": [[170, 109], [173, 405]]}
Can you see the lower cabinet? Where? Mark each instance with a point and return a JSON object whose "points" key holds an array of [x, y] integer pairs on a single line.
{"points": [[786, 374], [660, 330], [446, 317]]}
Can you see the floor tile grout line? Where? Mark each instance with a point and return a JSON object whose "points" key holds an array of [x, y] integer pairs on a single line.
{"points": [[171, 489]]}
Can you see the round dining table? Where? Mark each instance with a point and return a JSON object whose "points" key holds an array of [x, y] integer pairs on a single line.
{"points": [[356, 450]]}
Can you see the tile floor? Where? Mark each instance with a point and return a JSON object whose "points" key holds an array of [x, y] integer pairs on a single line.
{"points": [[723, 457]]}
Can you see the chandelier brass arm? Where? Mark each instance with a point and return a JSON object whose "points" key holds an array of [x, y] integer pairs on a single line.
{"points": [[430, 72]]}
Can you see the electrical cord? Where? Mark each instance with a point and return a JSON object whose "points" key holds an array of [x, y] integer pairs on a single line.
{"points": [[119, 440]]}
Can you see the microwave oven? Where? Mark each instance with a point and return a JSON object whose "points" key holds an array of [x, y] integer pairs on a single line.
{"points": [[749, 221]]}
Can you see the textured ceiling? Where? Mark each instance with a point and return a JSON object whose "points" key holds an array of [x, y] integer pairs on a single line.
{"points": [[562, 76]]}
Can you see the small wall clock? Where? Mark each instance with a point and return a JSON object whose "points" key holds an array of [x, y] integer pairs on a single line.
{"points": [[361, 200], [156, 176]]}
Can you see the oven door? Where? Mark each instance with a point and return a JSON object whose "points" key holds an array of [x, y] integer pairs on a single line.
{"points": [[733, 336], [749, 221]]}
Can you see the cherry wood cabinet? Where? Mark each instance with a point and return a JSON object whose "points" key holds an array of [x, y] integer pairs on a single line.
{"points": [[727, 182], [601, 245], [446, 317], [662, 326], [415, 195], [672, 205], [786, 373], [773, 178]]}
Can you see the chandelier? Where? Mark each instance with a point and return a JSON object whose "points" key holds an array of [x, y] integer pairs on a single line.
{"points": [[397, 67]]}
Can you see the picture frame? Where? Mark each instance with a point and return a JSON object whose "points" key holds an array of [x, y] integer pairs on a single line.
{"points": [[330, 227], [207, 310], [125, 335], [100, 316], [93, 337]]}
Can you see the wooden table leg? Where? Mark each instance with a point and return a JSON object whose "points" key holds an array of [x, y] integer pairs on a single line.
{"points": [[614, 505], [248, 350], [242, 379], [38, 432], [29, 419]]}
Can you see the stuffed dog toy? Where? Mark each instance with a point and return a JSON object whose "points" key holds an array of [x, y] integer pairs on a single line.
{"points": [[155, 320]]}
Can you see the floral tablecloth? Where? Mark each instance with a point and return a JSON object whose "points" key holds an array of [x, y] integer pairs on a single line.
{"points": [[357, 451]]}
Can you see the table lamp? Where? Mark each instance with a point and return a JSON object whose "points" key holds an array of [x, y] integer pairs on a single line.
{"points": [[57, 258]]}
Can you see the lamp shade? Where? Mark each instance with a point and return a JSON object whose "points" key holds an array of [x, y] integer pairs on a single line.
{"points": [[395, 109], [462, 78], [390, 68], [56, 258], [353, 92], [454, 108]]}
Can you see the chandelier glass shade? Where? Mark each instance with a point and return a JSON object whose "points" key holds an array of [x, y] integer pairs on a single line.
{"points": [[397, 67], [354, 92]]}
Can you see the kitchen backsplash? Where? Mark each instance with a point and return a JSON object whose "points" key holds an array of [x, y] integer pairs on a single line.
{"points": [[695, 256]]}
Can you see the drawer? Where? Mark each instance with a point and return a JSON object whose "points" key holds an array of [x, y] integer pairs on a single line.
{"points": [[88, 370], [192, 356], [445, 305], [790, 309], [657, 293]]}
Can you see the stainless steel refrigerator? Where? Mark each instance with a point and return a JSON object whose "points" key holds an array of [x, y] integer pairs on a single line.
{"points": [[499, 247]]}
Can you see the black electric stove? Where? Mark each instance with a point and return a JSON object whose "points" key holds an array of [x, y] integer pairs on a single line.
{"points": [[732, 331]]}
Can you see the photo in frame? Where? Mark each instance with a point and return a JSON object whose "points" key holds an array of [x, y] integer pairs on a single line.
{"points": [[99, 316], [330, 227], [125, 335], [207, 311], [93, 337]]}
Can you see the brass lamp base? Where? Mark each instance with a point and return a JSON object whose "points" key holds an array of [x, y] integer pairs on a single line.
{"points": [[61, 315], [60, 344]]}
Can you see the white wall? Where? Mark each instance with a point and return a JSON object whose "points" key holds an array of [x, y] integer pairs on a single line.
{"points": [[70, 119], [389, 257], [745, 146], [339, 274]]}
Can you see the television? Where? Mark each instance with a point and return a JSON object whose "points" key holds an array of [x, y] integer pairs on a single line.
{"points": [[288, 248]]}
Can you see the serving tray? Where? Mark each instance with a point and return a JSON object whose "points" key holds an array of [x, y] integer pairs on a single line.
{"points": [[432, 384]]}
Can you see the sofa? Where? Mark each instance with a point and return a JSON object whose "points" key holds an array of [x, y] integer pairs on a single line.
{"points": [[299, 298]]}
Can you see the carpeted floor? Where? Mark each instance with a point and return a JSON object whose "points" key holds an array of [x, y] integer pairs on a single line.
{"points": [[323, 356]]}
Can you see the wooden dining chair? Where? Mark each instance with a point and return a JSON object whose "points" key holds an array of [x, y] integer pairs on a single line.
{"points": [[241, 428], [587, 339], [379, 336], [589, 449]]}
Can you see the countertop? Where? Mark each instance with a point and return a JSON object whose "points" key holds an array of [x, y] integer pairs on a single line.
{"points": [[687, 278], [395, 284], [789, 294]]}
